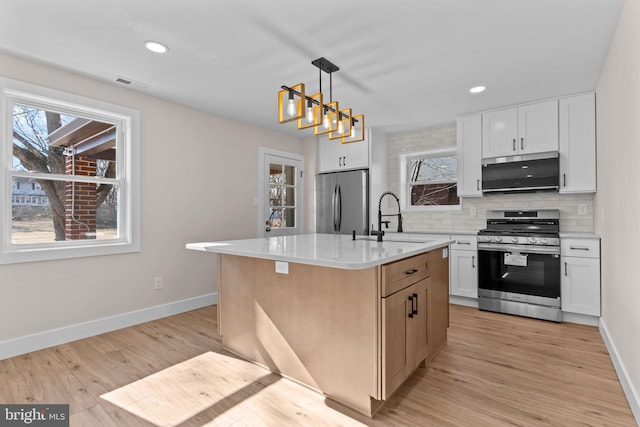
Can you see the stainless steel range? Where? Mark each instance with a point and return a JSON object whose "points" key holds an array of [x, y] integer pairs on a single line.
{"points": [[519, 264]]}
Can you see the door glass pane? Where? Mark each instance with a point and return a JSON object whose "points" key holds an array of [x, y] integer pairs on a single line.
{"points": [[275, 174], [290, 175], [275, 218], [289, 196], [289, 218], [275, 195]]}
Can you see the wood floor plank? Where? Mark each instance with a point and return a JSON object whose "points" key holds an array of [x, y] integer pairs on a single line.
{"points": [[496, 370]]}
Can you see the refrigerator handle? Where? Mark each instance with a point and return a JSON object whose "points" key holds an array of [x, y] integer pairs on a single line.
{"points": [[339, 208], [334, 203]]}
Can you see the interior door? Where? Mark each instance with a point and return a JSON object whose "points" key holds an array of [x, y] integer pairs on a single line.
{"points": [[282, 194]]}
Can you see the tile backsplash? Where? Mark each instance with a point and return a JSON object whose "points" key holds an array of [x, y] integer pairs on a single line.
{"points": [[573, 219]]}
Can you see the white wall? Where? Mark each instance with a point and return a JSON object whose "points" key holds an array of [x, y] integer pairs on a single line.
{"points": [[617, 202], [198, 182]]}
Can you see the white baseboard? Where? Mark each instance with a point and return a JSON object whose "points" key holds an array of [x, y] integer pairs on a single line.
{"points": [[39, 341], [629, 389], [582, 319]]}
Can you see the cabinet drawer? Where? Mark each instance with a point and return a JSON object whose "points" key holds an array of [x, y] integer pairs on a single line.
{"points": [[584, 248], [464, 242], [400, 274]]}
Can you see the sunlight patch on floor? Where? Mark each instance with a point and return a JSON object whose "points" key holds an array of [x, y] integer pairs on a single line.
{"points": [[219, 390]]}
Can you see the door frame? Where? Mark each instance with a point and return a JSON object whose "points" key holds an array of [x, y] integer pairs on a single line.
{"points": [[263, 152]]}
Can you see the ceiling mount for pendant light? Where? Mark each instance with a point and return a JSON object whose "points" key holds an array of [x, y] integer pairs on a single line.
{"points": [[310, 111]]}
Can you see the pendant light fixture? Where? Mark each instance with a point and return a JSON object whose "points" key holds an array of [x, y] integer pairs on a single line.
{"points": [[311, 111]]}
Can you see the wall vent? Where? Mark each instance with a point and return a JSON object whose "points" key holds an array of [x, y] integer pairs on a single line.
{"points": [[130, 82]]}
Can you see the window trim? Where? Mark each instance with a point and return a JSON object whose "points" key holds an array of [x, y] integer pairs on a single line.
{"points": [[405, 196], [127, 175]]}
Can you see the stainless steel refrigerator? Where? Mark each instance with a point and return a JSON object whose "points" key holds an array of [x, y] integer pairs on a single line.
{"points": [[342, 202]]}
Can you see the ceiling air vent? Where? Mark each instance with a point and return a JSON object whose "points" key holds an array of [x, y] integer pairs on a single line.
{"points": [[129, 82]]}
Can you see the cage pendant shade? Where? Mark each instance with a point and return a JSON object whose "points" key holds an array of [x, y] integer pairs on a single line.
{"points": [[329, 119], [357, 130], [312, 112], [291, 104], [344, 125]]}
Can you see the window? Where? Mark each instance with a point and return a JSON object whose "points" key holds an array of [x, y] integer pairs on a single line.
{"points": [[429, 180], [71, 187]]}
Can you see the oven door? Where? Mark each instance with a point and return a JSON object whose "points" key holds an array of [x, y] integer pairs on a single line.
{"points": [[519, 269]]}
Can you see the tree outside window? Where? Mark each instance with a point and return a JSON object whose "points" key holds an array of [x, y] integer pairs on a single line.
{"points": [[432, 180]]}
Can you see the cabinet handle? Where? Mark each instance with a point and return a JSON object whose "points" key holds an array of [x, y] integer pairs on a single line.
{"points": [[409, 272], [463, 242], [339, 161], [411, 311], [579, 248], [514, 144], [473, 261], [344, 161], [564, 179], [522, 143], [477, 184], [565, 269], [415, 297]]}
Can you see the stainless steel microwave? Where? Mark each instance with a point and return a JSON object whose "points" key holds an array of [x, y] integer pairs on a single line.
{"points": [[524, 173]]}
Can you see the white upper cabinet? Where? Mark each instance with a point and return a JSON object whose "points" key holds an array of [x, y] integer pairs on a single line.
{"points": [[578, 144], [333, 155], [469, 135], [526, 129]]}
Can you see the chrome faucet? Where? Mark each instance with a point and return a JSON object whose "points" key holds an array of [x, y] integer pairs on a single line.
{"points": [[380, 232]]}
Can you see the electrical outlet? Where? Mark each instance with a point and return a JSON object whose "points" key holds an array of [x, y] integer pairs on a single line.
{"points": [[157, 283], [582, 209], [473, 211]]}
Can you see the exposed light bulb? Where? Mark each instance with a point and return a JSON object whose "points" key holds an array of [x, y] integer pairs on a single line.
{"points": [[309, 111], [340, 128], [291, 107], [325, 120]]}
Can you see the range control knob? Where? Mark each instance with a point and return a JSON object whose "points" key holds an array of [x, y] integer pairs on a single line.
{"points": [[497, 239], [533, 240], [543, 241], [514, 240]]}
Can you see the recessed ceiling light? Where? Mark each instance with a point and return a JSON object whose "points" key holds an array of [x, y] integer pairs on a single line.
{"points": [[156, 47], [477, 89]]}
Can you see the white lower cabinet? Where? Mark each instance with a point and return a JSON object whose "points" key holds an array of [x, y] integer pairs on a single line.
{"points": [[464, 266], [580, 282]]}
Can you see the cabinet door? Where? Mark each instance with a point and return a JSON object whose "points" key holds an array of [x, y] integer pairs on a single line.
{"points": [[464, 275], [331, 154], [499, 133], [538, 127], [578, 144], [357, 155], [398, 349], [469, 135], [421, 293], [581, 285]]}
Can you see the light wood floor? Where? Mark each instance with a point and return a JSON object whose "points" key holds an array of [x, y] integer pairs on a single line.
{"points": [[495, 370]]}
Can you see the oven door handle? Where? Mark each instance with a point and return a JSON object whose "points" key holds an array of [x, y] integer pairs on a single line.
{"points": [[523, 249]]}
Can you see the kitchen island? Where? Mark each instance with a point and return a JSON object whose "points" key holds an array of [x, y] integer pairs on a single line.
{"points": [[351, 319]]}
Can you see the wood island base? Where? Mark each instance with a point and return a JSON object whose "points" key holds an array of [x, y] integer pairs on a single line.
{"points": [[352, 335]]}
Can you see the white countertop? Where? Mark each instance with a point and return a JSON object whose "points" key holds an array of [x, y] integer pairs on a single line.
{"points": [[326, 250]]}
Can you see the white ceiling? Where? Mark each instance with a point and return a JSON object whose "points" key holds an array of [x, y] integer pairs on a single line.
{"points": [[405, 64]]}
